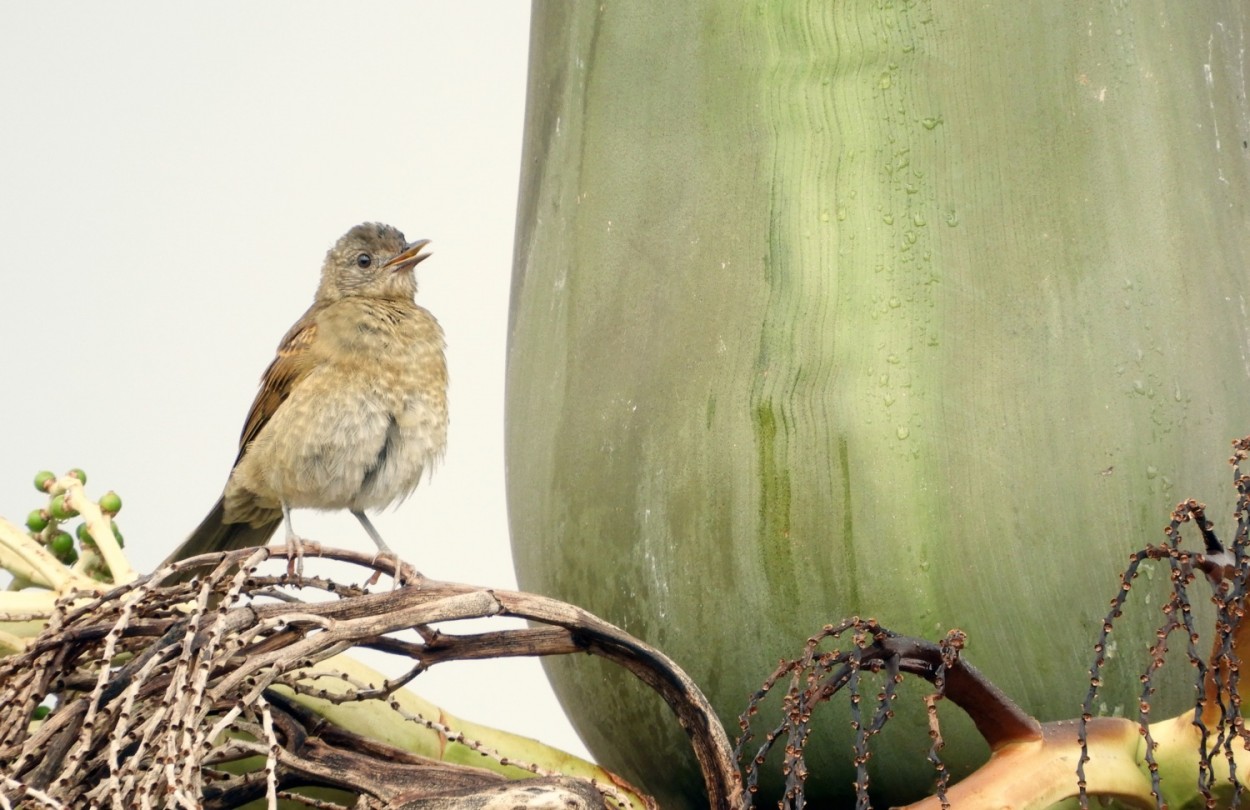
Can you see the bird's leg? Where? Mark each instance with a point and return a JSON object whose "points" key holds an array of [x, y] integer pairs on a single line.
{"points": [[294, 561], [373, 533], [383, 548]]}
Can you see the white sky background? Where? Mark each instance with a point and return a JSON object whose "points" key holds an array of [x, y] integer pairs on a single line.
{"points": [[171, 176]]}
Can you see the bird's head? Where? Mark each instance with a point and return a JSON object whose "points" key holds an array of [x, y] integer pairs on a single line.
{"points": [[371, 260]]}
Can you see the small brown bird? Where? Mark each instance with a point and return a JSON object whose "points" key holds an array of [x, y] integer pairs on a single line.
{"points": [[351, 412]]}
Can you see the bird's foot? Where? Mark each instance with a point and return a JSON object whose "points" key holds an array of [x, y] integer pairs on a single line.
{"points": [[399, 577], [383, 551], [294, 556], [294, 547]]}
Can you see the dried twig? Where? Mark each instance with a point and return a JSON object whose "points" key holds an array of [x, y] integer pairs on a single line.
{"points": [[158, 687]]}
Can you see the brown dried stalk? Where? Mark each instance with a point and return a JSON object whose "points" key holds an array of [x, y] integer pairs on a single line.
{"points": [[162, 691]]}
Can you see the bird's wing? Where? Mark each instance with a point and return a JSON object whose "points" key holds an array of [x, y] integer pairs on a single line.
{"points": [[292, 363]]}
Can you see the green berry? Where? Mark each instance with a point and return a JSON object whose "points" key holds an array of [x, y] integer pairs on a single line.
{"points": [[42, 480], [84, 534], [37, 520], [121, 542], [60, 510], [79, 474], [61, 544], [110, 503], [41, 712]]}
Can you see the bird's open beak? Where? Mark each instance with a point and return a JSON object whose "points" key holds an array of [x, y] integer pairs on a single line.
{"points": [[409, 257]]}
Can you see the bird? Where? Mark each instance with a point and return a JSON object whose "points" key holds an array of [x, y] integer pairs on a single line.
{"points": [[351, 413]]}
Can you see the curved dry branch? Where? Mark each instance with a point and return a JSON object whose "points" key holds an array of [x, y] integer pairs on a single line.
{"points": [[159, 686], [998, 718]]}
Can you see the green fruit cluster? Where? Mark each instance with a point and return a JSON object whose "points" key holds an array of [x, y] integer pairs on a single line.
{"points": [[47, 524]]}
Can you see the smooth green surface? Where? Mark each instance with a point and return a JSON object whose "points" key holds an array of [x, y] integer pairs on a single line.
{"points": [[919, 311]]}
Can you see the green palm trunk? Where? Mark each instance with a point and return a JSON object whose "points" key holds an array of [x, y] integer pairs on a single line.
{"points": [[923, 311]]}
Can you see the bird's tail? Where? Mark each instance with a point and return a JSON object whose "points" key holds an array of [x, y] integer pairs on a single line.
{"points": [[214, 534]]}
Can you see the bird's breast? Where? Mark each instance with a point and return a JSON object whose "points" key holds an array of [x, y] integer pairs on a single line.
{"points": [[366, 422], [393, 363]]}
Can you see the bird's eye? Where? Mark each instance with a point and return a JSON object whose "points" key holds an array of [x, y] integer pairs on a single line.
{"points": [[364, 260]]}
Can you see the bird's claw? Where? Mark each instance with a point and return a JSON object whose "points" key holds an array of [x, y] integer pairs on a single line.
{"points": [[294, 557], [396, 577]]}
